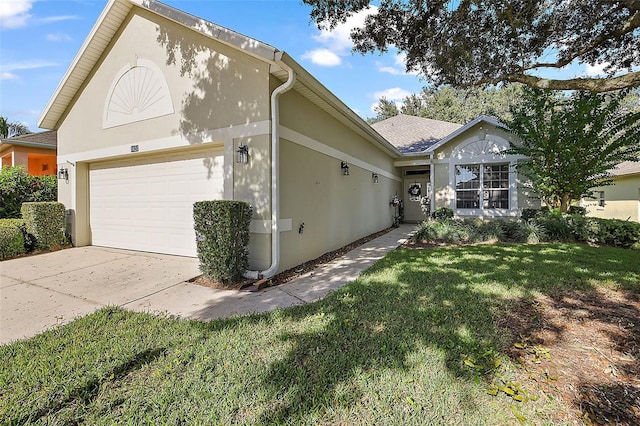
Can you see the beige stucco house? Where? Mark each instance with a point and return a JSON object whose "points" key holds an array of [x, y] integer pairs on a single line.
{"points": [[464, 168], [160, 109], [153, 112], [36, 152], [620, 200]]}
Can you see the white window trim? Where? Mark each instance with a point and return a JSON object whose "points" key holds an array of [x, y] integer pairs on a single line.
{"points": [[458, 158]]}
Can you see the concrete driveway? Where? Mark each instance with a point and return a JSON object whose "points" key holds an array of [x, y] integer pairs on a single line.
{"points": [[38, 292]]}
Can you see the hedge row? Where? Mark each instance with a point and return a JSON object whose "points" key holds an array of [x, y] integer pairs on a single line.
{"points": [[42, 227], [540, 228], [12, 233], [46, 221]]}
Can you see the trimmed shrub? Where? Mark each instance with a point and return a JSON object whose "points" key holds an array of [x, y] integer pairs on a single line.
{"points": [[578, 210], [442, 231], [614, 232], [580, 227], [555, 226], [222, 237], [515, 231], [528, 214], [46, 222], [442, 213], [11, 238]]}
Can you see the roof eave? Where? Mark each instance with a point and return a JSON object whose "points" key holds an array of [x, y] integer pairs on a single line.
{"points": [[28, 144]]}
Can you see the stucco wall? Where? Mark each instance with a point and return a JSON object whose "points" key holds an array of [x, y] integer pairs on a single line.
{"points": [[335, 209], [622, 200], [36, 161], [222, 94], [224, 87]]}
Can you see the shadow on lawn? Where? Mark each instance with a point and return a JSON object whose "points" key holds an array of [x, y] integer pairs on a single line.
{"points": [[437, 299], [89, 391]]}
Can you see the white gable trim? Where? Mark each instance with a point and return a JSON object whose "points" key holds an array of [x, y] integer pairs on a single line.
{"points": [[461, 130]]}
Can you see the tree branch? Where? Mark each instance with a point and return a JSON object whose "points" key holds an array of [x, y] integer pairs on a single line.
{"points": [[632, 24], [631, 79]]}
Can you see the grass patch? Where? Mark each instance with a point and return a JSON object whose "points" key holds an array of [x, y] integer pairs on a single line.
{"points": [[413, 341]]}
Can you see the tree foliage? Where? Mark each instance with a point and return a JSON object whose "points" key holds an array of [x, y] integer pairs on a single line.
{"points": [[462, 105], [570, 143], [17, 187], [479, 42], [455, 105], [384, 109], [11, 129]]}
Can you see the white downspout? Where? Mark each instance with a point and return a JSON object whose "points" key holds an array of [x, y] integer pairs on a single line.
{"points": [[432, 184], [275, 160]]}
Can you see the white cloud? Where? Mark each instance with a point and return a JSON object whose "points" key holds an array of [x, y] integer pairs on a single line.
{"points": [[51, 19], [399, 66], [322, 57], [58, 37], [15, 13], [392, 94], [7, 76], [595, 70], [388, 69], [7, 70], [337, 43], [27, 65]]}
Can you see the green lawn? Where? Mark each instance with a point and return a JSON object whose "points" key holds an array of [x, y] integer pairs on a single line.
{"points": [[413, 341]]}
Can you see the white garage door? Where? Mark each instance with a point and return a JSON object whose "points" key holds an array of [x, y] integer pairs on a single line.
{"points": [[146, 203]]}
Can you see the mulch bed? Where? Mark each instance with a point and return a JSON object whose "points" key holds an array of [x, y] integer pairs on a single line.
{"points": [[290, 274], [593, 344]]}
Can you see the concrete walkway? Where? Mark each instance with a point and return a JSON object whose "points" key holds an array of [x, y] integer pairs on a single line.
{"points": [[42, 291]]}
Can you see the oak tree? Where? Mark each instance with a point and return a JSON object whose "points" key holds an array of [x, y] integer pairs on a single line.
{"points": [[484, 42]]}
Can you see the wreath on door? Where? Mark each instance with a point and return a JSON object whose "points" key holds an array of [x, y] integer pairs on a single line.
{"points": [[414, 190]]}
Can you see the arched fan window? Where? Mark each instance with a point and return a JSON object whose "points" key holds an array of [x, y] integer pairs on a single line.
{"points": [[137, 93]]}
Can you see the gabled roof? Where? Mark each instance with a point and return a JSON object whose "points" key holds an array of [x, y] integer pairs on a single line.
{"points": [[44, 140], [114, 15], [411, 134], [626, 168], [461, 130]]}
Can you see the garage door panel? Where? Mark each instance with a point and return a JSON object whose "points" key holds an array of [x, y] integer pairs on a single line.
{"points": [[147, 204]]}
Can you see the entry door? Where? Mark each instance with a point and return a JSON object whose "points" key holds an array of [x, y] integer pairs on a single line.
{"points": [[415, 189]]}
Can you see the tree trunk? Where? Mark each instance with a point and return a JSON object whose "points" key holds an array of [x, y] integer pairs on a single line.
{"points": [[565, 202]]}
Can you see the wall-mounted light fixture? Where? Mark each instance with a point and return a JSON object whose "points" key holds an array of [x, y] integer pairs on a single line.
{"points": [[345, 168], [63, 174], [375, 178], [242, 154]]}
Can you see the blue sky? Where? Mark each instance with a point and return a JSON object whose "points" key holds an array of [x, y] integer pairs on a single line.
{"points": [[39, 39]]}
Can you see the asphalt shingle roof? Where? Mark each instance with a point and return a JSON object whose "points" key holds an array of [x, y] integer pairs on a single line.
{"points": [[412, 134], [626, 168], [49, 137]]}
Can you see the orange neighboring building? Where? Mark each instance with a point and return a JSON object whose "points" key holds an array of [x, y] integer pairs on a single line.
{"points": [[35, 151]]}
